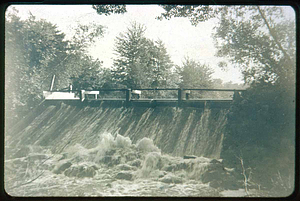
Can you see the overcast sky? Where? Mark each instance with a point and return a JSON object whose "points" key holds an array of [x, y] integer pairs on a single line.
{"points": [[179, 36]]}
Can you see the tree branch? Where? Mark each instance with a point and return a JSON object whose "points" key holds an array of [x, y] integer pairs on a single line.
{"points": [[273, 34]]}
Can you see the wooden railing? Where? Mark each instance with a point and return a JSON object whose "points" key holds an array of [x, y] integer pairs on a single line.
{"points": [[179, 96]]}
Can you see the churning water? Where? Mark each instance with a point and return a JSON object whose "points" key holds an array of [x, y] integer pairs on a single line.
{"points": [[99, 151]]}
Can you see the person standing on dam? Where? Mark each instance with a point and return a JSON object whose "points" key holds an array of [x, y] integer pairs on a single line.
{"points": [[236, 96], [187, 94], [70, 88]]}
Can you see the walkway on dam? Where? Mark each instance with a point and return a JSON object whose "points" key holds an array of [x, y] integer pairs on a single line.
{"points": [[176, 97]]}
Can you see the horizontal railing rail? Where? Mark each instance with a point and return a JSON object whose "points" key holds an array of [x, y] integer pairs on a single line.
{"points": [[180, 96], [192, 89], [153, 89]]}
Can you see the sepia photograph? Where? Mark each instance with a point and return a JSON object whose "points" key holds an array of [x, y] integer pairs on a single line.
{"points": [[150, 100]]}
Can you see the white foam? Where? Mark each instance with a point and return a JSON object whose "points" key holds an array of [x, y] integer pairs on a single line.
{"points": [[150, 164], [123, 142], [147, 145]]}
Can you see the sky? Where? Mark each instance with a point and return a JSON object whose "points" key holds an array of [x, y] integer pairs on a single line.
{"points": [[180, 38]]}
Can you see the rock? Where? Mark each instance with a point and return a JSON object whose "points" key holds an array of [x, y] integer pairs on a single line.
{"points": [[136, 163], [95, 167], [125, 167], [218, 177], [106, 176], [215, 161], [80, 171], [229, 169], [181, 166], [162, 174], [171, 179], [111, 152], [131, 156], [106, 159], [216, 167], [169, 168], [124, 175], [111, 160], [61, 166], [212, 175], [115, 160], [189, 157]]}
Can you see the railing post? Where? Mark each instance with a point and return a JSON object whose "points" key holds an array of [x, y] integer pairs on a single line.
{"points": [[82, 95], [128, 96], [179, 97], [52, 83]]}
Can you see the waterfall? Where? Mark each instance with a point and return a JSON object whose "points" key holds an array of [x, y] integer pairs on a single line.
{"points": [[175, 131]]}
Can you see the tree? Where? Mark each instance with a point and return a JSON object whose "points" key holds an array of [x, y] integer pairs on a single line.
{"points": [[219, 84], [140, 62], [194, 75], [162, 65], [90, 75], [260, 40], [195, 13], [35, 50], [109, 9], [82, 70], [85, 35], [257, 45]]}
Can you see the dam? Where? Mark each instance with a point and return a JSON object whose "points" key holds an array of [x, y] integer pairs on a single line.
{"points": [[177, 126], [121, 141], [177, 131]]}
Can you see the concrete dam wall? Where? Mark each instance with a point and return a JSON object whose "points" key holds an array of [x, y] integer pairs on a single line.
{"points": [[176, 131]]}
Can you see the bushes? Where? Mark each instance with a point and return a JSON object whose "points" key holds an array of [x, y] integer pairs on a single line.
{"points": [[261, 130]]}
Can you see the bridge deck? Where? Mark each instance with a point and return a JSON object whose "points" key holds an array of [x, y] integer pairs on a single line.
{"points": [[161, 99], [94, 98], [200, 103]]}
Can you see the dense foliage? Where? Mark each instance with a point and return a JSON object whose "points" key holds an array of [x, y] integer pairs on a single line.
{"points": [[194, 74], [263, 49], [195, 13], [261, 125], [109, 9], [140, 62], [35, 51]]}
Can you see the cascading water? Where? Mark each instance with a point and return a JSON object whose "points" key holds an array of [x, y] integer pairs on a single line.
{"points": [[175, 131], [119, 151]]}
